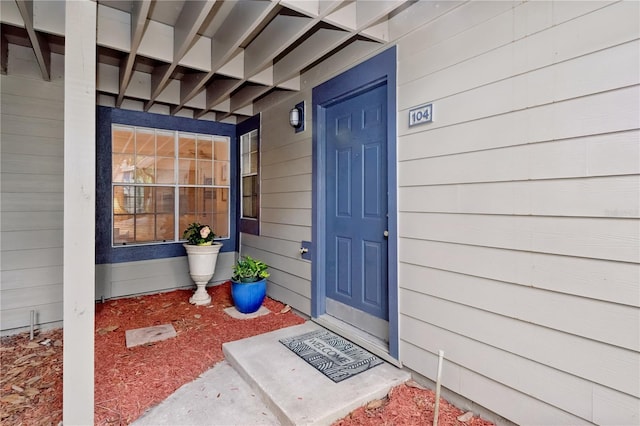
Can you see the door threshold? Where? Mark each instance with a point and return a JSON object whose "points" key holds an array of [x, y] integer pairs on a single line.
{"points": [[376, 346]]}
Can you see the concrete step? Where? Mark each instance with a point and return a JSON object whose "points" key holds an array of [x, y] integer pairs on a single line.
{"points": [[296, 392]]}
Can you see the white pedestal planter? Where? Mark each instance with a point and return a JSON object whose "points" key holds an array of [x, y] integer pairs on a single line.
{"points": [[202, 265]]}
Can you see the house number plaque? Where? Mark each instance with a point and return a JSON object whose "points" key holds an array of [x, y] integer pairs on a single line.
{"points": [[420, 115]]}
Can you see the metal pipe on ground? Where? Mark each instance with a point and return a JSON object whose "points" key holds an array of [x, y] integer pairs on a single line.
{"points": [[32, 320], [438, 377]]}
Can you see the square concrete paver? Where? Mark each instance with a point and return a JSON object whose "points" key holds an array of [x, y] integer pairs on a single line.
{"points": [[234, 313], [142, 336]]}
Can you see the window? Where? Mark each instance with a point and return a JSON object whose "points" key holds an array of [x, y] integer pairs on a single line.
{"points": [[249, 141], [249, 170], [162, 180]]}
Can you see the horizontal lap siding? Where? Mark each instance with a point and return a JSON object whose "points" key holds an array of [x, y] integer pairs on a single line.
{"points": [[31, 201], [152, 276], [285, 208], [518, 208], [610, 196], [290, 280]]}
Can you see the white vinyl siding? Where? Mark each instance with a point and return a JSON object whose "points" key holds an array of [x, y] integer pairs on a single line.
{"points": [[31, 200]]}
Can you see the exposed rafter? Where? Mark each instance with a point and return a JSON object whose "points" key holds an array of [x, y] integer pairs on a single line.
{"points": [[280, 34], [241, 19], [209, 58], [38, 41], [139, 12], [185, 30]]}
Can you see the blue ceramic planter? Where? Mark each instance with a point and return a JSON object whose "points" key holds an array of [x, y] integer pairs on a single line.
{"points": [[248, 297]]}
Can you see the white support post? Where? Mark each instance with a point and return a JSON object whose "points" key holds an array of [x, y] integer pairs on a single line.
{"points": [[79, 211]]}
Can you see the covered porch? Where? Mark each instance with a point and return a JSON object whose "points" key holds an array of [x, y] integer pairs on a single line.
{"points": [[501, 190]]}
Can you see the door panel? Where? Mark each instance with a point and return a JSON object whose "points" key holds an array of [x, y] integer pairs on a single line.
{"points": [[343, 266], [356, 209]]}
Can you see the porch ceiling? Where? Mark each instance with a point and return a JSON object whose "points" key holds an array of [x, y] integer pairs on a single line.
{"points": [[205, 56]]}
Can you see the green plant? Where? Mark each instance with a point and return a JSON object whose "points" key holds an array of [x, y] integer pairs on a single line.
{"points": [[197, 234], [248, 270]]}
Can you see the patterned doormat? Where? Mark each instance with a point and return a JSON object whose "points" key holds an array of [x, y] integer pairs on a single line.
{"points": [[333, 356]]}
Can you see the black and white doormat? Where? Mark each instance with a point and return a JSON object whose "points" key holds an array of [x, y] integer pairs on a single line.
{"points": [[333, 356]]}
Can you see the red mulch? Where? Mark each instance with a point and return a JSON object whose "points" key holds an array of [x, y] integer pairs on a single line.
{"points": [[129, 381], [408, 404]]}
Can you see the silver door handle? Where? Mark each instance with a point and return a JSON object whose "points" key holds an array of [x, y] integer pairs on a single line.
{"points": [[385, 233]]}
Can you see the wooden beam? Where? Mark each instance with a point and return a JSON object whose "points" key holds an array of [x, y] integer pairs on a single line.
{"points": [[319, 44], [273, 40], [79, 211], [139, 13], [185, 30], [246, 95], [220, 89], [38, 41], [238, 24]]}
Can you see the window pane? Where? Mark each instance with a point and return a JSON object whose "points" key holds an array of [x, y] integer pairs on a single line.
{"points": [[145, 228], [245, 143], [145, 169], [123, 229], [187, 172], [221, 173], [205, 172], [122, 168], [246, 164], [165, 172], [165, 144], [249, 197], [165, 200], [220, 220], [249, 143], [124, 199], [222, 149], [254, 162], [145, 142], [143, 214], [187, 146], [188, 212], [122, 140], [143, 195], [164, 227], [205, 148], [253, 136], [205, 205]]}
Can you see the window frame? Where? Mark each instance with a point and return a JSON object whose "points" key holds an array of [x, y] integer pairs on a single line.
{"points": [[249, 225], [105, 118]]}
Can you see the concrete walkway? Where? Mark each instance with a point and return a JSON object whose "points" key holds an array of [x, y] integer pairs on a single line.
{"points": [[261, 382]]}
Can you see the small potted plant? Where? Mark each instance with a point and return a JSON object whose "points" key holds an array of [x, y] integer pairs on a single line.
{"points": [[249, 284], [202, 254]]}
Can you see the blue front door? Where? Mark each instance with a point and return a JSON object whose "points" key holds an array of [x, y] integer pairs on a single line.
{"points": [[356, 202]]}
